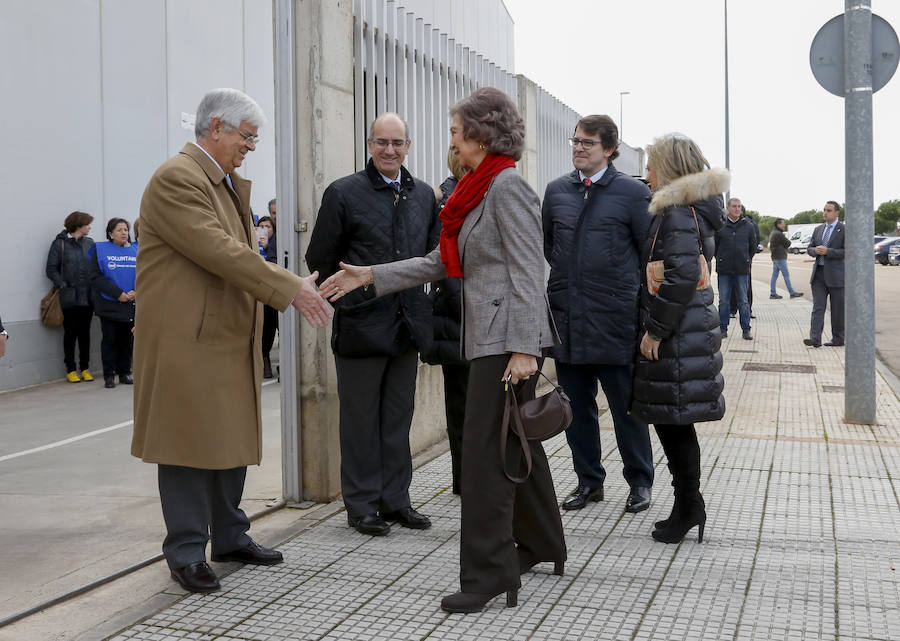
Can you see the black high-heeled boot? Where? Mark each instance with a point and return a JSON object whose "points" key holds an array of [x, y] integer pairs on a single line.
{"points": [[467, 602], [683, 459], [678, 526]]}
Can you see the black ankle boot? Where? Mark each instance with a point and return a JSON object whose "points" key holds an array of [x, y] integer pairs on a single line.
{"points": [[466, 602], [683, 460], [679, 525]]}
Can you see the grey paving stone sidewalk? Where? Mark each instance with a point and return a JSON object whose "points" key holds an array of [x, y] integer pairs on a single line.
{"points": [[802, 541]]}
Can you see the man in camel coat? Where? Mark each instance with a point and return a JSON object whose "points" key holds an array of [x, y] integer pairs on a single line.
{"points": [[197, 360]]}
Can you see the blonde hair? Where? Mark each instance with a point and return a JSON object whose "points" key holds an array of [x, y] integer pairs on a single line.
{"points": [[453, 165], [675, 155]]}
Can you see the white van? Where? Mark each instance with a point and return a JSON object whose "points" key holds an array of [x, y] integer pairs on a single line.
{"points": [[799, 242]]}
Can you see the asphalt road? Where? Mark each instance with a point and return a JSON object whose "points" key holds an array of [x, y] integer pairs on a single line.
{"points": [[887, 300]]}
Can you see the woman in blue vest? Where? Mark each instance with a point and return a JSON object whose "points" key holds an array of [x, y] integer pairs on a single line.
{"points": [[112, 279]]}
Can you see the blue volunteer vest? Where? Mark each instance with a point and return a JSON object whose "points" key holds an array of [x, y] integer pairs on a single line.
{"points": [[117, 264]]}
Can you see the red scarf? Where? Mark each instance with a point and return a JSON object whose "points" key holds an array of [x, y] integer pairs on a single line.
{"points": [[470, 190]]}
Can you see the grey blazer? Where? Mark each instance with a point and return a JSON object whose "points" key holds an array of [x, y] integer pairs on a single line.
{"points": [[504, 300]]}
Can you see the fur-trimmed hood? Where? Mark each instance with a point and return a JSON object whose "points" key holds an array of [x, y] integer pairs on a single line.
{"points": [[690, 189]]}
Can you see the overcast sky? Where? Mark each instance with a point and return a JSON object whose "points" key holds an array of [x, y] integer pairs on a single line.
{"points": [[787, 133]]}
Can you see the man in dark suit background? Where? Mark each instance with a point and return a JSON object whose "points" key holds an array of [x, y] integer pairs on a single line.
{"points": [[827, 247]]}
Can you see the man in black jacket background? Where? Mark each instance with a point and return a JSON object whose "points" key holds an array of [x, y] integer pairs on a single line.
{"points": [[595, 220], [735, 247], [377, 215]]}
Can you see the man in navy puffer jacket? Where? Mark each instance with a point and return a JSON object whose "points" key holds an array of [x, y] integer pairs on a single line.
{"points": [[595, 221]]}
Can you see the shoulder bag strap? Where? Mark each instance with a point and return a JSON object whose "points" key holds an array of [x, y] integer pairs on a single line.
{"points": [[511, 412]]}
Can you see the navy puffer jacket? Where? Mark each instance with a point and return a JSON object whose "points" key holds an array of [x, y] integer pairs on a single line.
{"points": [[685, 385], [592, 240]]}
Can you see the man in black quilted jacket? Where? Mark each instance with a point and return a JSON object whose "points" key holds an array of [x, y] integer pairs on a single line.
{"points": [[735, 247], [377, 215]]}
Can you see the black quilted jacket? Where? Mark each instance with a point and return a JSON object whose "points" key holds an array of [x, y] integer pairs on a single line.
{"points": [[685, 385], [363, 221]]}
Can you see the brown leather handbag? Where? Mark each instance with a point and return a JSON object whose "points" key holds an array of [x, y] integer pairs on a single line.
{"points": [[539, 419], [656, 269], [51, 309]]}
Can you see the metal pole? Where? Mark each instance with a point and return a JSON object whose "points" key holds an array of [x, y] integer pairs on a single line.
{"points": [[727, 126], [288, 242], [621, 118], [859, 371]]}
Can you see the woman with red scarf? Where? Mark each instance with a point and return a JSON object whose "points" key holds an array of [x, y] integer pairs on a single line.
{"points": [[491, 238]]}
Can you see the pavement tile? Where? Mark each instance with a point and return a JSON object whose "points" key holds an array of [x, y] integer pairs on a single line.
{"points": [[804, 456], [857, 460], [741, 453], [701, 612], [798, 508], [865, 509], [869, 573]]}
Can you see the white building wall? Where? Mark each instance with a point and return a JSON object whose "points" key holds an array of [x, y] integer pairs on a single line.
{"points": [[94, 91]]}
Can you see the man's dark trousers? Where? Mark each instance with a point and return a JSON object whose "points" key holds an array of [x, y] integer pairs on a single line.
{"points": [[820, 292], [632, 435], [377, 397], [198, 505]]}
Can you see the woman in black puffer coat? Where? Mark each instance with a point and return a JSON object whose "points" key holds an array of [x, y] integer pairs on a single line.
{"points": [[678, 380], [68, 267]]}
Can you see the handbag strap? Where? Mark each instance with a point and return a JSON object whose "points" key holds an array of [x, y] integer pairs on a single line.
{"points": [[511, 413], [656, 233]]}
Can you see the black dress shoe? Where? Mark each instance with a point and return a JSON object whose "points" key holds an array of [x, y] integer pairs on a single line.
{"points": [[369, 524], [638, 499], [581, 496], [811, 343], [125, 379], [833, 344], [197, 577], [408, 517], [109, 382], [252, 553]]}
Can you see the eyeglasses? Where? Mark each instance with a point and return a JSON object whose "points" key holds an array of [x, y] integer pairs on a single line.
{"points": [[381, 143], [586, 143], [248, 138]]}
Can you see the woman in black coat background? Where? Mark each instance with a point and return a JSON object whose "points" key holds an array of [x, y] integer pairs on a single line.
{"points": [[678, 380], [68, 267]]}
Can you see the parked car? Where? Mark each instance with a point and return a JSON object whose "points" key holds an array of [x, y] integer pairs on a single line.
{"points": [[882, 249], [894, 254], [878, 239]]}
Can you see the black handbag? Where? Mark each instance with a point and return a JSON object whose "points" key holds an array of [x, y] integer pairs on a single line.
{"points": [[539, 419]]}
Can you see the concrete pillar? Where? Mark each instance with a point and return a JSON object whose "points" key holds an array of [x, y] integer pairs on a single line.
{"points": [[528, 110], [326, 148], [326, 151]]}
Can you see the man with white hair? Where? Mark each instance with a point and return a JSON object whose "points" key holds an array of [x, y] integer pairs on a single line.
{"points": [[197, 358]]}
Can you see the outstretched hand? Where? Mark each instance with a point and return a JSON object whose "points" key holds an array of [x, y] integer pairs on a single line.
{"points": [[345, 280], [308, 302]]}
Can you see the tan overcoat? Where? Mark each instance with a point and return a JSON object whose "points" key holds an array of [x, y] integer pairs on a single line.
{"points": [[197, 359]]}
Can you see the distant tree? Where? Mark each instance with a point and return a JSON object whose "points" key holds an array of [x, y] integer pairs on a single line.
{"points": [[886, 217], [766, 225], [806, 217]]}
